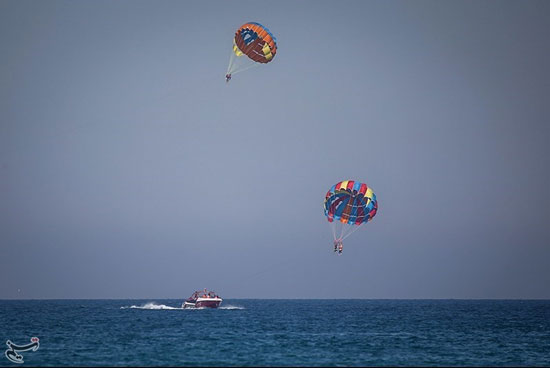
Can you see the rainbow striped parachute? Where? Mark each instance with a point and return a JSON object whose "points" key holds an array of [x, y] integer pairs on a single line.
{"points": [[351, 204], [253, 45]]}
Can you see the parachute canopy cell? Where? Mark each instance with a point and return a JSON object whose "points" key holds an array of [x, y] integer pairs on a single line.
{"points": [[350, 202], [255, 41]]}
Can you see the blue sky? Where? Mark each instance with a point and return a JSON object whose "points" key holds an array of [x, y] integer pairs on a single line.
{"points": [[130, 169]]}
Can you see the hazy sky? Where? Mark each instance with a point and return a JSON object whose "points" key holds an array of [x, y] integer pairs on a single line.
{"points": [[130, 169]]}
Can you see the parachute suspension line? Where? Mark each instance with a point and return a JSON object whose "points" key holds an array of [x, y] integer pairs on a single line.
{"points": [[353, 230], [240, 63], [337, 229], [333, 228], [232, 57], [344, 230], [235, 62], [246, 68]]}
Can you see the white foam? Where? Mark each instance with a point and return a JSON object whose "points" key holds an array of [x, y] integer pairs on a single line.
{"points": [[231, 307], [151, 306], [154, 306]]}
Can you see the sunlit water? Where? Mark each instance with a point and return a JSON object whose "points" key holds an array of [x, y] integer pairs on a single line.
{"points": [[280, 332]]}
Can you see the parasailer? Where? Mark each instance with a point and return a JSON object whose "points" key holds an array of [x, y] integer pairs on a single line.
{"points": [[253, 45], [338, 246], [348, 205]]}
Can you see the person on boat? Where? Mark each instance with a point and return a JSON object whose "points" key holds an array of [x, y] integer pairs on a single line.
{"points": [[227, 77]]}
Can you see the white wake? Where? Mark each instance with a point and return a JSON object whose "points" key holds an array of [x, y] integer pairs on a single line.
{"points": [[231, 307], [151, 306], [154, 306]]}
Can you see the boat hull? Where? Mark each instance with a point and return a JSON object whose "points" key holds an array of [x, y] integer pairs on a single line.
{"points": [[203, 303]]}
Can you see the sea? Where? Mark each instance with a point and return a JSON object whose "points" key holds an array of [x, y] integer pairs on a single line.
{"points": [[278, 332]]}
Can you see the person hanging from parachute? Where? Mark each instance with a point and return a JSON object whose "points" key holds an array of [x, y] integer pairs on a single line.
{"points": [[253, 45], [351, 204], [338, 246]]}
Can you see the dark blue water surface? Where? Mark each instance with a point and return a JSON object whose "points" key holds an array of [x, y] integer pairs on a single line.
{"points": [[280, 332]]}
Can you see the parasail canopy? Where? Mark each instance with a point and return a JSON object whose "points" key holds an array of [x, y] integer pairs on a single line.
{"points": [[351, 204], [253, 45]]}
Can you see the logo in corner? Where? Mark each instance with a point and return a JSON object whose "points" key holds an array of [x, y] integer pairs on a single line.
{"points": [[13, 350]]}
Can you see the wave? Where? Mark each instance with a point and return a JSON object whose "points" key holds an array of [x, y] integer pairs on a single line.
{"points": [[154, 306], [231, 307], [151, 306]]}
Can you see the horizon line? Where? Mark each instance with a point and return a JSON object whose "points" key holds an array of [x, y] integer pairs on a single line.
{"points": [[502, 299]]}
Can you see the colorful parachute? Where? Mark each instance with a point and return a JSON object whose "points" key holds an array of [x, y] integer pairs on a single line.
{"points": [[253, 45], [351, 204]]}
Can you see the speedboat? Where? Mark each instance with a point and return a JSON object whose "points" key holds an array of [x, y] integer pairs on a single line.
{"points": [[202, 299]]}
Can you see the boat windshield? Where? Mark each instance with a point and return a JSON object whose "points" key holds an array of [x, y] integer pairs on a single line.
{"points": [[204, 294]]}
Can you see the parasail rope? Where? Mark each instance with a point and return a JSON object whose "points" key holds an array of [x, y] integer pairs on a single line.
{"points": [[239, 68], [232, 58], [345, 229], [246, 68], [352, 231]]}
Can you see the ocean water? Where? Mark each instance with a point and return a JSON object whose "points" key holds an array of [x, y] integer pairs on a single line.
{"points": [[250, 332]]}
